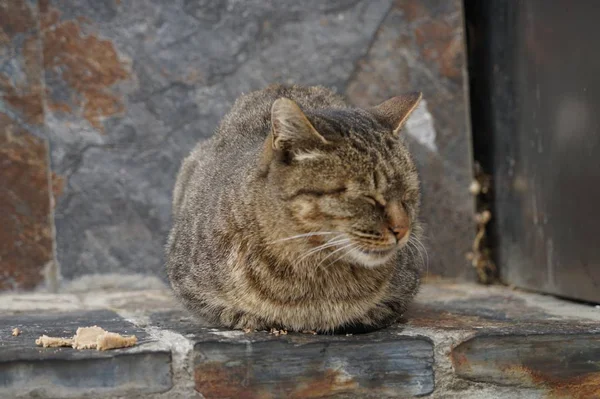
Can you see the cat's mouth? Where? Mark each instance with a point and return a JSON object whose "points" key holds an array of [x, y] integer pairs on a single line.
{"points": [[371, 257]]}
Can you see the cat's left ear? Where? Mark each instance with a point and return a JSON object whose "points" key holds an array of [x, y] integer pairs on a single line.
{"points": [[290, 128], [395, 111]]}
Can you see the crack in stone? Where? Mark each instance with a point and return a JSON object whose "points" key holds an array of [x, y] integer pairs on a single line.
{"points": [[357, 65]]}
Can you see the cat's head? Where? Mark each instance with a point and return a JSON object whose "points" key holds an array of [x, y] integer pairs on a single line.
{"points": [[344, 178]]}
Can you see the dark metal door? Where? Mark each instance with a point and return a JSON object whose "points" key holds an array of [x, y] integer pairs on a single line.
{"points": [[543, 133]]}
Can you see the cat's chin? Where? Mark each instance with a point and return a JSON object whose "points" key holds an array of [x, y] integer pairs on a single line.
{"points": [[371, 259]]}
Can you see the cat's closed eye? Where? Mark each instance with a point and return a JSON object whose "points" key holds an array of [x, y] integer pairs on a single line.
{"points": [[320, 193]]}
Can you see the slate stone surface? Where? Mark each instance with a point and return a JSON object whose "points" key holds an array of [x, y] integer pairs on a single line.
{"points": [[566, 364], [26, 369], [25, 209], [259, 364], [130, 87], [26, 232], [497, 310], [489, 341], [147, 81]]}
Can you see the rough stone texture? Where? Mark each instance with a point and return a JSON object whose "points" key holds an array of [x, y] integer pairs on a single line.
{"points": [[25, 214], [30, 371], [125, 90], [122, 91], [486, 342], [567, 364], [26, 231], [136, 85], [21, 88], [234, 364], [420, 46]]}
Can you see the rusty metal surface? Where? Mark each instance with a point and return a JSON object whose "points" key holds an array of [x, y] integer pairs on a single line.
{"points": [[544, 96]]}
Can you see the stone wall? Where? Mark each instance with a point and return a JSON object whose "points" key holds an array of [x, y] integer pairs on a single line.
{"points": [[101, 99]]}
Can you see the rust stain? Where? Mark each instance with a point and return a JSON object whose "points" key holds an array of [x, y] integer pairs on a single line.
{"points": [[420, 315], [29, 104], [25, 236], [215, 380], [329, 383], [586, 386], [439, 43], [413, 9], [90, 66], [15, 17], [24, 96]]}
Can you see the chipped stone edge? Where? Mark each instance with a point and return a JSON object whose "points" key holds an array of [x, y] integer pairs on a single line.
{"points": [[182, 359], [447, 385]]}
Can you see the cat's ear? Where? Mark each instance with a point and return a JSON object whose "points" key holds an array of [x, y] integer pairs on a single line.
{"points": [[290, 129], [395, 111]]}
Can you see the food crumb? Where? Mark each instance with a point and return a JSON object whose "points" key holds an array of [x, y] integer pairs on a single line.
{"points": [[16, 332], [277, 332], [86, 337], [89, 338], [53, 342], [110, 340], [309, 332], [248, 330]]}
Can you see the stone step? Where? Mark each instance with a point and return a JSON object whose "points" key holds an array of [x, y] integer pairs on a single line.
{"points": [[458, 340]]}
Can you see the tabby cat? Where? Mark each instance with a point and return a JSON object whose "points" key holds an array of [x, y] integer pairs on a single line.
{"points": [[298, 214]]}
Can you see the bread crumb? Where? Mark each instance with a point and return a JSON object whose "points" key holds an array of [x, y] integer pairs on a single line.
{"points": [[16, 332], [89, 338], [110, 340], [53, 342], [309, 332], [277, 332], [86, 337]]}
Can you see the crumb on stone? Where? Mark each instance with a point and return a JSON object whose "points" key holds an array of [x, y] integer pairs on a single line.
{"points": [[110, 340], [86, 337], [278, 332], [16, 332], [53, 342], [309, 332], [89, 338]]}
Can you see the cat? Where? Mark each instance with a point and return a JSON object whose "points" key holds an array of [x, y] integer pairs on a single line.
{"points": [[297, 214]]}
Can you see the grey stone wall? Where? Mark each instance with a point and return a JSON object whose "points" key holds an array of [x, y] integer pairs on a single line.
{"points": [[115, 93]]}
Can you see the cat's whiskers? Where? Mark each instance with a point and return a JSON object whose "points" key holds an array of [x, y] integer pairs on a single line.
{"points": [[419, 247], [420, 243], [311, 234], [333, 252], [352, 247], [331, 243]]}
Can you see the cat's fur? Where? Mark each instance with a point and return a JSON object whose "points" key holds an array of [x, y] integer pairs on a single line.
{"points": [[260, 180]]}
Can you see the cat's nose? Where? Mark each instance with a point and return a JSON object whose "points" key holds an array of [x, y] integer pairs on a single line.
{"points": [[399, 231], [397, 219]]}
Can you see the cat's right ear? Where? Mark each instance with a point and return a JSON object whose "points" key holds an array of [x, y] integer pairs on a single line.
{"points": [[290, 128], [395, 111]]}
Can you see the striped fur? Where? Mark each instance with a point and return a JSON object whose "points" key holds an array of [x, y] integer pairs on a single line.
{"points": [[247, 220]]}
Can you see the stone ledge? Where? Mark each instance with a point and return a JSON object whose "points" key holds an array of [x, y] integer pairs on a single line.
{"points": [[458, 341], [31, 371]]}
